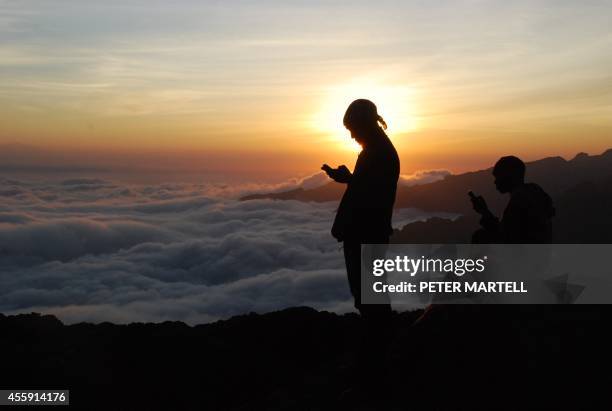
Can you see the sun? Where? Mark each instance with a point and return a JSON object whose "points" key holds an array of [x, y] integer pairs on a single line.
{"points": [[395, 104]]}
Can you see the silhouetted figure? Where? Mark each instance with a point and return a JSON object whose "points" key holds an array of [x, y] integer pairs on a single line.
{"points": [[527, 218], [364, 213]]}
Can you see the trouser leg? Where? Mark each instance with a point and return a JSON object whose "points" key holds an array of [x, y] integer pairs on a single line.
{"points": [[376, 325], [354, 263], [352, 260], [379, 304]]}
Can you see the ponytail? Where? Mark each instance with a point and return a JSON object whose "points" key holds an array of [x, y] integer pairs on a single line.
{"points": [[362, 112], [381, 121]]}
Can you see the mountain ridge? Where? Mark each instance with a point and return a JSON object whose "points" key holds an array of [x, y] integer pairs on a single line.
{"points": [[450, 193]]}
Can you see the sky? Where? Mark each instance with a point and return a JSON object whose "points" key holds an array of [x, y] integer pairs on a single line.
{"points": [[256, 90]]}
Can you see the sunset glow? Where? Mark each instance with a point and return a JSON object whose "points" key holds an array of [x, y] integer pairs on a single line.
{"points": [[395, 104], [458, 82]]}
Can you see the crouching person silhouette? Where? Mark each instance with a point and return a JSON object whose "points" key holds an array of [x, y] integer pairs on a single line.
{"points": [[364, 217], [527, 218]]}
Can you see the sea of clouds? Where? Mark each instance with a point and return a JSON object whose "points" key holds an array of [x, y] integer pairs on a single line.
{"points": [[90, 249]]}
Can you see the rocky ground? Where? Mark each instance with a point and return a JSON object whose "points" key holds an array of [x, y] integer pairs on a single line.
{"points": [[461, 357]]}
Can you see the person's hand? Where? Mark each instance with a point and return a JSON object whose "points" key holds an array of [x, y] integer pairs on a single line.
{"points": [[341, 174], [479, 204]]}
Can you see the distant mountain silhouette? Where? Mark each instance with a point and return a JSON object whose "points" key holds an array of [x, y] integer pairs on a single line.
{"points": [[328, 192], [582, 212], [437, 230], [554, 174], [581, 189], [299, 359]]}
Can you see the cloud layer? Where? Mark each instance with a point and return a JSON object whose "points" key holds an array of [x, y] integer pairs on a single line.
{"points": [[423, 177], [94, 250]]}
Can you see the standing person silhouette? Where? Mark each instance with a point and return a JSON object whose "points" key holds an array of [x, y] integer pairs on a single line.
{"points": [[364, 214]]}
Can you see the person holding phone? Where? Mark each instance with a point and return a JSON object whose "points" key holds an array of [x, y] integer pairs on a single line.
{"points": [[527, 219], [365, 211]]}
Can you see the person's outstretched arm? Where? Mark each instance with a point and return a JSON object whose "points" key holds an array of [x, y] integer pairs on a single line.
{"points": [[339, 175]]}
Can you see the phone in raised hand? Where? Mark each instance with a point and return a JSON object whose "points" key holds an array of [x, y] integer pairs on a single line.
{"points": [[478, 203]]}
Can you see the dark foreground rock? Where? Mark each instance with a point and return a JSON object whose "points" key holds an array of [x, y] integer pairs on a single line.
{"points": [[493, 357]]}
